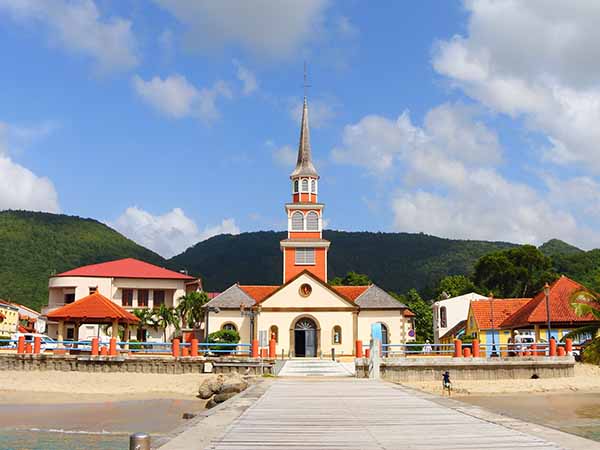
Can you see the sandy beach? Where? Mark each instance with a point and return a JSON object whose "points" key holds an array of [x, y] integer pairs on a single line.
{"points": [[80, 387], [586, 379]]}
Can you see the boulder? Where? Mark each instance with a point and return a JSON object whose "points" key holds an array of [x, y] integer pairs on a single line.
{"points": [[211, 403], [210, 386], [220, 398], [233, 386]]}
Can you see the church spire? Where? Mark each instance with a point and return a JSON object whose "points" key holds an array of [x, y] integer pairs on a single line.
{"points": [[304, 165]]}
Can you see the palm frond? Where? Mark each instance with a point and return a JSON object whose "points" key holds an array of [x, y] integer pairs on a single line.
{"points": [[578, 333]]}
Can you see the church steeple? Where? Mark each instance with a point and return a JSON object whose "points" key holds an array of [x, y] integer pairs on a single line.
{"points": [[304, 165]]}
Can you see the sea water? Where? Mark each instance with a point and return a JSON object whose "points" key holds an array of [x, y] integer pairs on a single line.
{"points": [[36, 439]]}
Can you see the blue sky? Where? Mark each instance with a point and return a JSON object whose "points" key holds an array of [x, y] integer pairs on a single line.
{"points": [[174, 120]]}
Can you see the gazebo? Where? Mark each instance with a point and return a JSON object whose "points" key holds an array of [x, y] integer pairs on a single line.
{"points": [[93, 309]]}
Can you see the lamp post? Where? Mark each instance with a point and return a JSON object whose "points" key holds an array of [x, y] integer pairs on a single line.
{"points": [[547, 294], [252, 313], [494, 353], [209, 309]]}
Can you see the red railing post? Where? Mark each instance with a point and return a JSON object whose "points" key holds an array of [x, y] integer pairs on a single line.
{"points": [[534, 350], [569, 346], [467, 352], [552, 343], [475, 348], [185, 351], [103, 351], [21, 345], [175, 348], [457, 348], [272, 348], [95, 346], [37, 345], [112, 349], [28, 348], [561, 351], [359, 349], [194, 347], [254, 353], [367, 352]]}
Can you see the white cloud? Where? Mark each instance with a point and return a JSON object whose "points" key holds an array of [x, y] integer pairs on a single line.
{"points": [[247, 77], [20, 188], [176, 97], [345, 27], [544, 70], [267, 28], [285, 156], [79, 27], [168, 234]]}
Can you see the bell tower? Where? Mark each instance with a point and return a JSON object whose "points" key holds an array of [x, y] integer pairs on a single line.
{"points": [[304, 248]]}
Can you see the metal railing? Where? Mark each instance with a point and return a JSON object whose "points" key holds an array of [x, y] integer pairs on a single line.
{"points": [[485, 350]]}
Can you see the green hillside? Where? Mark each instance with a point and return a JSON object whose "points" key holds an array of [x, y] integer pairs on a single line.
{"points": [[395, 261], [556, 247], [34, 245]]}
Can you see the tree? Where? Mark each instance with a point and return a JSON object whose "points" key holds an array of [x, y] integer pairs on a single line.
{"points": [[351, 279], [517, 272], [145, 316], [163, 317], [190, 309], [423, 314], [586, 303], [454, 285]]}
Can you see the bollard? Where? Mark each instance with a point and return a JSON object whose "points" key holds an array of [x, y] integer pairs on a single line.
{"points": [[28, 348], [457, 348], [332, 354], [194, 347], [533, 349], [175, 348], [21, 345], [103, 351], [475, 348], [367, 353], [185, 351], [95, 347], [139, 441], [561, 351], [569, 346], [37, 345], [359, 349], [264, 352], [254, 353], [272, 349], [112, 349], [552, 351], [467, 352]]}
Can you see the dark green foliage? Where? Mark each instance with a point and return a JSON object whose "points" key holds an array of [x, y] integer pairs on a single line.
{"points": [[516, 272], [556, 247], [454, 285], [35, 245], [582, 267], [224, 337], [394, 261], [351, 279], [423, 313]]}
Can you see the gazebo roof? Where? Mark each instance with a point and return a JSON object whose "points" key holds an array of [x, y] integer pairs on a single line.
{"points": [[94, 308]]}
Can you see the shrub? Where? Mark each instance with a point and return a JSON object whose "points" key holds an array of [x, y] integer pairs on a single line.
{"points": [[223, 337]]}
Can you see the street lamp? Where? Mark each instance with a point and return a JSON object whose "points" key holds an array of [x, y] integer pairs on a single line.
{"points": [[494, 353], [209, 309], [547, 294], [251, 312]]}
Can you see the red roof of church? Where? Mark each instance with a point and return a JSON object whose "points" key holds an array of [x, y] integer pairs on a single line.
{"points": [[258, 293], [94, 308], [350, 292], [503, 308], [125, 268], [560, 299]]}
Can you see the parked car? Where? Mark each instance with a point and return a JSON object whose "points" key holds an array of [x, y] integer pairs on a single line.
{"points": [[578, 349], [47, 343]]}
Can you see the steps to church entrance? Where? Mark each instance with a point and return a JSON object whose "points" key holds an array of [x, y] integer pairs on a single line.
{"points": [[312, 367]]}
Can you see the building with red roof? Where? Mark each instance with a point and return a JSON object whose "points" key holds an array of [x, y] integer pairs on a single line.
{"points": [[305, 315], [128, 283]]}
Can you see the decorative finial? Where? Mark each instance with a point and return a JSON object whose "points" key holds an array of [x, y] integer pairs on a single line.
{"points": [[306, 85]]}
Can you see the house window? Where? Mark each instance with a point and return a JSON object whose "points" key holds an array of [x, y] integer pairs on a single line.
{"points": [[93, 289], [305, 185], [159, 298], [142, 297], [127, 297], [274, 333], [443, 319], [312, 221], [229, 326], [337, 335], [297, 221], [69, 298], [305, 256]]}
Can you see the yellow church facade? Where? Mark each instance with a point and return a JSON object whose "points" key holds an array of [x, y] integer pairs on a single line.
{"points": [[305, 315]]}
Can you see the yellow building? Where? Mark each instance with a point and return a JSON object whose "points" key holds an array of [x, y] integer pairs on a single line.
{"points": [[9, 319]]}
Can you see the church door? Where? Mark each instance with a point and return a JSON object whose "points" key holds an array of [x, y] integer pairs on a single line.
{"points": [[305, 338]]}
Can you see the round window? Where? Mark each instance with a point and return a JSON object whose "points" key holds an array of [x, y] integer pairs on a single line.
{"points": [[305, 290]]}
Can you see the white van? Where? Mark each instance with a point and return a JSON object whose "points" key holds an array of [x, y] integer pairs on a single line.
{"points": [[47, 342]]}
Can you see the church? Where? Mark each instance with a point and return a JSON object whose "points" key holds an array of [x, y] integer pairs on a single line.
{"points": [[305, 315]]}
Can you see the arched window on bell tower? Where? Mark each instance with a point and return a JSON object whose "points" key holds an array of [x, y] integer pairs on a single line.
{"points": [[304, 184], [297, 221], [312, 221], [295, 186], [313, 186]]}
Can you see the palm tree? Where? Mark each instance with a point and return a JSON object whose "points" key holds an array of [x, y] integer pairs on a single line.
{"points": [[163, 317], [587, 303], [145, 316], [190, 308]]}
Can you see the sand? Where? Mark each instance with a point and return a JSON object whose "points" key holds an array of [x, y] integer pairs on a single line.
{"points": [[586, 379], [64, 387]]}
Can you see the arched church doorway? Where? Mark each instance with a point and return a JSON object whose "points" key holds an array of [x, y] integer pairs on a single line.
{"points": [[305, 337]]}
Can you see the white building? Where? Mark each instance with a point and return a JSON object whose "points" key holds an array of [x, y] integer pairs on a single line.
{"points": [[129, 283], [449, 312]]}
